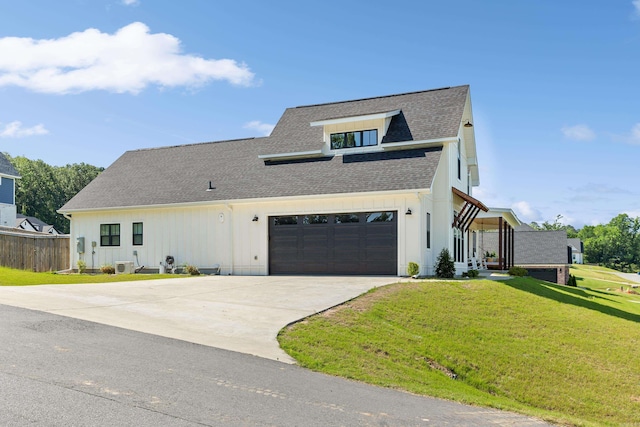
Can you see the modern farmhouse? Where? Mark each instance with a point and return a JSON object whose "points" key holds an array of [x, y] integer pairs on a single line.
{"points": [[355, 187]]}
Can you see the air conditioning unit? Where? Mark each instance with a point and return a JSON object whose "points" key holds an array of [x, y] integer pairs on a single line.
{"points": [[124, 267]]}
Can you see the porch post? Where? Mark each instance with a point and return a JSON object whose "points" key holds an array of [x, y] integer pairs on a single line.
{"points": [[513, 247], [500, 243]]}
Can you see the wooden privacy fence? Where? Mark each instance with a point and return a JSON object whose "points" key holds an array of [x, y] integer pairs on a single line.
{"points": [[33, 251]]}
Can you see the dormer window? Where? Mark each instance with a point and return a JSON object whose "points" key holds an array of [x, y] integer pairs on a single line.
{"points": [[361, 138]]}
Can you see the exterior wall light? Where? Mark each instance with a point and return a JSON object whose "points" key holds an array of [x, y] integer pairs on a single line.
{"points": [[255, 218], [408, 212], [468, 124]]}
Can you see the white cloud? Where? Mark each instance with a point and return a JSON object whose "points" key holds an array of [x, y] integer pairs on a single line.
{"points": [[264, 128], [15, 130], [526, 212], [636, 5], [579, 132], [635, 132], [127, 61], [130, 2]]}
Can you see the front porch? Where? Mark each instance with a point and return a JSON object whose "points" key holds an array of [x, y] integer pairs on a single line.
{"points": [[495, 251]]}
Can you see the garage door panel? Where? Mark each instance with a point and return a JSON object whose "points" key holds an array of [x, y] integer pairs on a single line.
{"points": [[348, 243]]}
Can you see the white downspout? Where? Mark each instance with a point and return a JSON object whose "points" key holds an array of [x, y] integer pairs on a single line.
{"points": [[68, 216]]}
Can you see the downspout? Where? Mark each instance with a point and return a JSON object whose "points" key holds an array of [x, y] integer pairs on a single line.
{"points": [[68, 216], [230, 237]]}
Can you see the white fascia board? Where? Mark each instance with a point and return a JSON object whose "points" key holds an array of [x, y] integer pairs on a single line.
{"points": [[503, 211], [295, 155], [356, 118], [4, 175], [416, 144], [413, 191]]}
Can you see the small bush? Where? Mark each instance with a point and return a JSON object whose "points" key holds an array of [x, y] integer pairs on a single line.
{"points": [[82, 266], [108, 269], [445, 268], [413, 269], [473, 273], [518, 271], [192, 270], [572, 281]]}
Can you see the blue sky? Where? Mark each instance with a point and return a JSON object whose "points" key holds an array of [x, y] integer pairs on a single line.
{"points": [[555, 86]]}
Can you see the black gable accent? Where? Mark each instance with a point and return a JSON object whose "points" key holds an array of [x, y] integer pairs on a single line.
{"points": [[398, 130]]}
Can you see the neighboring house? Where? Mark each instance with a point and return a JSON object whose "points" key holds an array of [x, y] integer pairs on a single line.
{"points": [[544, 253], [577, 250], [32, 223], [8, 176], [23, 223], [353, 187]]}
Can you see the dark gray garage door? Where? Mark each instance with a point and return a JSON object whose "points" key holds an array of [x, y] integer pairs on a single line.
{"points": [[349, 243]]}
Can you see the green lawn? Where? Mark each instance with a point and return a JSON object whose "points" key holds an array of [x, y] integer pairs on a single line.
{"points": [[12, 277], [568, 355]]}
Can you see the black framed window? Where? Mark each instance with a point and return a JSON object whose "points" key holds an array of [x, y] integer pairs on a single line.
{"points": [[285, 220], [345, 218], [428, 230], [315, 219], [360, 138], [458, 245], [459, 163], [109, 234], [137, 233], [379, 216]]}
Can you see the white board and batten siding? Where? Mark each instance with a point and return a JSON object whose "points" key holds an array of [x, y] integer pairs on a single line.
{"points": [[225, 234]]}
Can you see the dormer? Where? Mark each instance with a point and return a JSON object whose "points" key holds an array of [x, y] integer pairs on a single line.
{"points": [[355, 134]]}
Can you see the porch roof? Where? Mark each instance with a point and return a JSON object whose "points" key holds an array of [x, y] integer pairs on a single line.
{"points": [[490, 220]]}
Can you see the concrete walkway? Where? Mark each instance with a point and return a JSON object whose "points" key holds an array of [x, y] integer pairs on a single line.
{"points": [[238, 313]]}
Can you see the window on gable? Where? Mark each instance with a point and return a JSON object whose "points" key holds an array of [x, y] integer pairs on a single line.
{"points": [[109, 234], [361, 138], [137, 233]]}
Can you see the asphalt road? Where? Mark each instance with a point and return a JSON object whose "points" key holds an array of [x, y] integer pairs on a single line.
{"points": [[60, 371]]}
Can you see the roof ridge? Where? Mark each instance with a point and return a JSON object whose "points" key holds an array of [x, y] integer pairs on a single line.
{"points": [[381, 96], [196, 143]]}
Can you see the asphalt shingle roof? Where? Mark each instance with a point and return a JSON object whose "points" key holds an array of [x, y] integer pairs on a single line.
{"points": [[181, 174], [424, 115], [6, 168]]}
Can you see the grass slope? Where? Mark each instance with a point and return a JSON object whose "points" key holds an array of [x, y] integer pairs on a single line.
{"points": [[12, 277], [568, 355]]}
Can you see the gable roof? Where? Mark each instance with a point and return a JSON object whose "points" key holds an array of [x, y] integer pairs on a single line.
{"points": [[6, 168], [36, 223], [180, 174], [424, 115]]}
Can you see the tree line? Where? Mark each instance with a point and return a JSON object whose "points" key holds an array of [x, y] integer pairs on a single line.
{"points": [[43, 188], [615, 245]]}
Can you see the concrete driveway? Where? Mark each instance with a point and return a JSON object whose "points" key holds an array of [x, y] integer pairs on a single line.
{"points": [[238, 313]]}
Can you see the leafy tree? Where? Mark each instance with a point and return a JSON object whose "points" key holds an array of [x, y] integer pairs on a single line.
{"points": [[43, 188], [445, 268], [556, 225], [614, 245]]}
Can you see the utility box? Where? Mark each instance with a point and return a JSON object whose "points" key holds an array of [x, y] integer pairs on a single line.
{"points": [[80, 245]]}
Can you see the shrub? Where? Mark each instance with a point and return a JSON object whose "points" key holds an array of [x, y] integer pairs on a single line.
{"points": [[518, 271], [413, 269], [108, 269], [572, 281], [82, 266], [192, 270], [473, 273], [445, 268]]}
